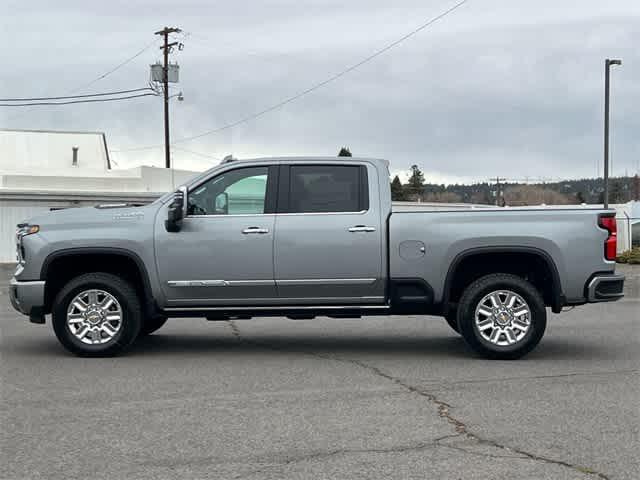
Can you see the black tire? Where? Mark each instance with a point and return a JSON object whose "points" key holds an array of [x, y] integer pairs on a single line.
{"points": [[151, 324], [452, 319], [129, 302], [482, 287]]}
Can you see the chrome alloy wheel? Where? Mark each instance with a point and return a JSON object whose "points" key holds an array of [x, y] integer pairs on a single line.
{"points": [[94, 317], [503, 318]]}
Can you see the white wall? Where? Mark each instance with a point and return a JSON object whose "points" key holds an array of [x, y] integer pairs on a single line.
{"points": [[27, 151], [141, 179]]}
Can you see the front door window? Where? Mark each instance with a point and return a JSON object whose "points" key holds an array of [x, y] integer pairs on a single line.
{"points": [[236, 192]]}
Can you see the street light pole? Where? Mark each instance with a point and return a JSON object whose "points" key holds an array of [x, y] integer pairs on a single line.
{"points": [[607, 67]]}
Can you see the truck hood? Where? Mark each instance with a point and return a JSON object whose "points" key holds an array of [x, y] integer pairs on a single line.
{"points": [[94, 216]]}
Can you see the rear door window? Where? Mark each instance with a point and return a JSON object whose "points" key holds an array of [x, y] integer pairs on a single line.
{"points": [[327, 188]]}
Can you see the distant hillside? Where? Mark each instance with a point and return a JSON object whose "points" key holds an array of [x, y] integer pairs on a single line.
{"points": [[586, 190]]}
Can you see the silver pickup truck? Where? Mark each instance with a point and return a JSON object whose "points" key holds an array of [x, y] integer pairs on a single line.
{"points": [[307, 237]]}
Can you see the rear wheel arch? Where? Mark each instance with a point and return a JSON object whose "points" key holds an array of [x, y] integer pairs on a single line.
{"points": [[62, 266], [526, 262]]}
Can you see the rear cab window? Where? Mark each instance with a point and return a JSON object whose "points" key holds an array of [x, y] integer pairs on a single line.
{"points": [[327, 189]]}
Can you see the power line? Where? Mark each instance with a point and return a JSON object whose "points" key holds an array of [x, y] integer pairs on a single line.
{"points": [[102, 94], [318, 85], [99, 77], [77, 101], [114, 69], [204, 155]]}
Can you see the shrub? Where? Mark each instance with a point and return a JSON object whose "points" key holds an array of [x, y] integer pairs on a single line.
{"points": [[630, 256]]}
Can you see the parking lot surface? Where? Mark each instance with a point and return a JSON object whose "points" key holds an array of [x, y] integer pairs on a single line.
{"points": [[393, 398]]}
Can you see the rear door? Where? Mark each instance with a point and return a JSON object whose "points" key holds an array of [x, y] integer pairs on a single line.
{"points": [[328, 242]]}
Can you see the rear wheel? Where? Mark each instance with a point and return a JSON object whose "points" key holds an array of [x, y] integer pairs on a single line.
{"points": [[96, 315], [502, 316]]}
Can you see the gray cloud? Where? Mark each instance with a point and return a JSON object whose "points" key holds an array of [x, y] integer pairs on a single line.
{"points": [[508, 88]]}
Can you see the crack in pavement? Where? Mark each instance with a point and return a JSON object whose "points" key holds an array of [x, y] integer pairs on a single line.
{"points": [[539, 377], [345, 451], [443, 409]]}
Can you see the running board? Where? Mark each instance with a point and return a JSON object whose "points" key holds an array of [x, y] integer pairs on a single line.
{"points": [[295, 312]]}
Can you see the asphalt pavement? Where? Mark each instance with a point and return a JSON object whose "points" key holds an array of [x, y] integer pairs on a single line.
{"points": [[392, 398]]}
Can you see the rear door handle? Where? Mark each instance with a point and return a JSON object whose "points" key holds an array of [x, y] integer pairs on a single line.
{"points": [[249, 230], [362, 228]]}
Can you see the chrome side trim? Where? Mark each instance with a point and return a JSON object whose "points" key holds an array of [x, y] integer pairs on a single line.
{"points": [[219, 283], [294, 307], [326, 281]]}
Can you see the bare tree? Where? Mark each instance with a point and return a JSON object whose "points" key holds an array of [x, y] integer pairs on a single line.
{"points": [[532, 195]]}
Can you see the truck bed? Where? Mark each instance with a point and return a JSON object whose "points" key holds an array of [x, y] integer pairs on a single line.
{"points": [[570, 237]]}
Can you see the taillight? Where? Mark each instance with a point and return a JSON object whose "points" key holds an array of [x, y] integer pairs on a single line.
{"points": [[608, 222]]}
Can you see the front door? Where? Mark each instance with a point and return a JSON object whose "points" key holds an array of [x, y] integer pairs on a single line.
{"points": [[223, 255], [329, 236]]}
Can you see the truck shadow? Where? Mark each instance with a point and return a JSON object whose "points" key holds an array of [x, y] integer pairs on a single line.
{"points": [[429, 347], [305, 344]]}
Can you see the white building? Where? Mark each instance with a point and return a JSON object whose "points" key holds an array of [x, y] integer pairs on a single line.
{"points": [[42, 169]]}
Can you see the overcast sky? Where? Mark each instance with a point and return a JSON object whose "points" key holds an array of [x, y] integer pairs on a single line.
{"points": [[499, 87]]}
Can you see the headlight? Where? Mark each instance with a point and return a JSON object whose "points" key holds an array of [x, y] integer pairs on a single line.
{"points": [[23, 230]]}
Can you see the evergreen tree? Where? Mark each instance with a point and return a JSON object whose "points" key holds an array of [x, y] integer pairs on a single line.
{"points": [[344, 152], [617, 194], [416, 181], [397, 193]]}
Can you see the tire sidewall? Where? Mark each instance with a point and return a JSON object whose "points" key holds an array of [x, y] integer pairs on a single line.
{"points": [[130, 314], [477, 291]]}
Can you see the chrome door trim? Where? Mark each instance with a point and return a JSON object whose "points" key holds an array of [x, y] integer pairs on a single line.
{"points": [[326, 281], [219, 283]]}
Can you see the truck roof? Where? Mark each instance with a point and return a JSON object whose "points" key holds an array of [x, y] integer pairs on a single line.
{"points": [[378, 161]]}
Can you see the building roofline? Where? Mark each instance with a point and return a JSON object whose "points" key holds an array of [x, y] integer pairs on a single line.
{"points": [[75, 132]]}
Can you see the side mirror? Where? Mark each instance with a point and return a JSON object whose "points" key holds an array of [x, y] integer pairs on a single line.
{"points": [[222, 203], [176, 211]]}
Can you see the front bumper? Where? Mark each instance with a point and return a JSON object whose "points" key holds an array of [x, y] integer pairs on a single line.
{"points": [[28, 298], [605, 288]]}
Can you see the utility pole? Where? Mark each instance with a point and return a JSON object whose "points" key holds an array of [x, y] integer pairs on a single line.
{"points": [[165, 81], [499, 200], [607, 67]]}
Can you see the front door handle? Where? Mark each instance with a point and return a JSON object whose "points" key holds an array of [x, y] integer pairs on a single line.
{"points": [[362, 228], [249, 230]]}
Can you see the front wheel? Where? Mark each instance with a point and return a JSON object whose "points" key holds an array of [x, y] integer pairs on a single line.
{"points": [[502, 316], [97, 315]]}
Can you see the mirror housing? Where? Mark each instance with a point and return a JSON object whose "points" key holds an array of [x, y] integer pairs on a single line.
{"points": [[177, 210]]}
